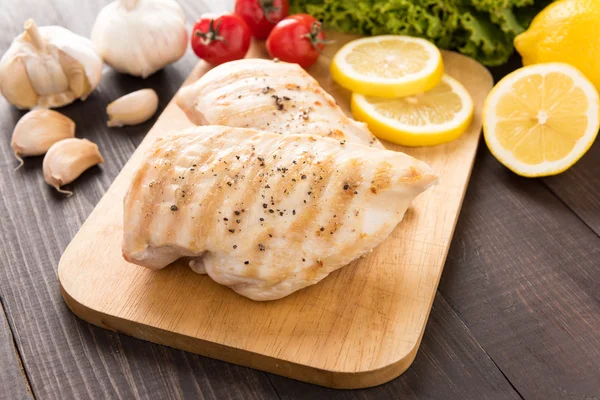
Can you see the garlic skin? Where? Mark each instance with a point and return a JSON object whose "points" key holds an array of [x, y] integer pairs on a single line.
{"points": [[133, 108], [67, 159], [139, 37], [39, 129], [49, 67]]}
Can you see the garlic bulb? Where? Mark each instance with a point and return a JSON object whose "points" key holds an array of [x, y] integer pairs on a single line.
{"points": [[67, 159], [139, 37], [49, 67], [133, 108], [39, 129]]}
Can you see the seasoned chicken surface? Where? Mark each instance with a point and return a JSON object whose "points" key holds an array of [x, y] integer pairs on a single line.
{"points": [[271, 96], [262, 213]]}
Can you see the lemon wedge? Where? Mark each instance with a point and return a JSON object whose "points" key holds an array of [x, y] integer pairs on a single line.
{"points": [[437, 116], [388, 66], [541, 119]]}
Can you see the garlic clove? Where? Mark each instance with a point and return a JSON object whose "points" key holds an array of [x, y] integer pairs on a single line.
{"points": [[57, 100], [133, 108], [77, 80], [45, 73], [67, 159], [39, 129], [15, 85]]}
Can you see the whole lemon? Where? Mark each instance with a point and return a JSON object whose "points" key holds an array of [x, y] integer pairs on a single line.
{"points": [[567, 31]]}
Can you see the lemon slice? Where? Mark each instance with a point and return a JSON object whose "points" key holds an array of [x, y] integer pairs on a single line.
{"points": [[437, 116], [540, 119], [388, 66]]}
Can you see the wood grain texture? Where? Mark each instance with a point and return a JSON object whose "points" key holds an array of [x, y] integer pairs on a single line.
{"points": [[524, 275], [450, 365], [13, 382], [578, 187], [360, 327]]}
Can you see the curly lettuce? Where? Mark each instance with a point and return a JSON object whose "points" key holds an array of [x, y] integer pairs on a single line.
{"points": [[482, 29]]}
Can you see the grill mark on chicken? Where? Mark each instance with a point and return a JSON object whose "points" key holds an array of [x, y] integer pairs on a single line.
{"points": [[412, 176], [252, 75], [155, 189], [213, 200], [336, 134], [281, 186], [345, 194], [250, 111], [306, 218], [313, 270], [382, 179]]}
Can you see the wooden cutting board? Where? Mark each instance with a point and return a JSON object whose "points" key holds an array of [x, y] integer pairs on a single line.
{"points": [[359, 327]]}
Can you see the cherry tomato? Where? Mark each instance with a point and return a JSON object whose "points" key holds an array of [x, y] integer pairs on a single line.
{"points": [[218, 38], [297, 39], [262, 15]]}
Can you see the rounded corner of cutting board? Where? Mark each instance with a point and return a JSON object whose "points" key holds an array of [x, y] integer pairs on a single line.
{"points": [[373, 377]]}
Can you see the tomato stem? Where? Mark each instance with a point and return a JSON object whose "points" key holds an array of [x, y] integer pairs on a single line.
{"points": [[212, 35], [268, 7], [313, 36]]}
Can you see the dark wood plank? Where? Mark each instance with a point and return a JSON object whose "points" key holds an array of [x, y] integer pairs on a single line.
{"points": [[523, 273], [64, 357], [450, 364], [13, 383], [579, 187]]}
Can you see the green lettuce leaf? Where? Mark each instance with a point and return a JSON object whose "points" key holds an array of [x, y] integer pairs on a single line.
{"points": [[483, 29]]}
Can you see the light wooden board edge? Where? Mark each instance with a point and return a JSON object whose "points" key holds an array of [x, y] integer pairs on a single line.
{"points": [[335, 379], [321, 377]]}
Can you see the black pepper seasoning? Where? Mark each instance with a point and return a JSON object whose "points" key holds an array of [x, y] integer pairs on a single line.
{"points": [[173, 207]]}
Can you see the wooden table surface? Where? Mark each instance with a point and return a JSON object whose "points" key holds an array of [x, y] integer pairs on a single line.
{"points": [[517, 313]]}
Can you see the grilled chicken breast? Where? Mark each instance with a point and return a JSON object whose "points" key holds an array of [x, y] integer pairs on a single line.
{"points": [[262, 213], [271, 96]]}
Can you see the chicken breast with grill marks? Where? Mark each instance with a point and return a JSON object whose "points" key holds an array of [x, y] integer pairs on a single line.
{"points": [[262, 213], [271, 96]]}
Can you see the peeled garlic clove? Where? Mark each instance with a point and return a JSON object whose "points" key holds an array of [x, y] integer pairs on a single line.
{"points": [[15, 85], [67, 159], [39, 129], [133, 108], [139, 37], [49, 67]]}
